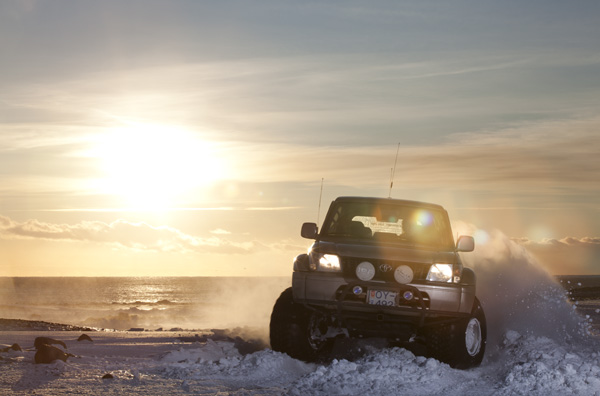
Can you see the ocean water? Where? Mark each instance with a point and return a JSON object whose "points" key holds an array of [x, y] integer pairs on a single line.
{"points": [[122, 303], [188, 302]]}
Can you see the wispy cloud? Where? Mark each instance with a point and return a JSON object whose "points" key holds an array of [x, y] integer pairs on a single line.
{"points": [[558, 256], [560, 243], [543, 156], [566, 256], [125, 234], [220, 231]]}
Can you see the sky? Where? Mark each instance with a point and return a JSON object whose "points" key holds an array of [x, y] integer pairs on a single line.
{"points": [[194, 137]]}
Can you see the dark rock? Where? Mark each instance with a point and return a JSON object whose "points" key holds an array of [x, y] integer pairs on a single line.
{"points": [[85, 337], [13, 347], [39, 341], [195, 338], [136, 329], [107, 376], [47, 354]]}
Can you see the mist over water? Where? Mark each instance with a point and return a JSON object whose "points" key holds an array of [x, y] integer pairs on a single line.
{"points": [[245, 303], [143, 302]]}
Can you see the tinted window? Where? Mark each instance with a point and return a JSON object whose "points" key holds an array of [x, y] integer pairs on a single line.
{"points": [[395, 224]]}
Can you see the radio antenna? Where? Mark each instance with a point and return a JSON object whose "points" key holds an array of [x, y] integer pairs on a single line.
{"points": [[393, 173], [320, 196]]}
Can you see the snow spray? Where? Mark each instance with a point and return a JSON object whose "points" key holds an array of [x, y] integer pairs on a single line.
{"points": [[517, 293]]}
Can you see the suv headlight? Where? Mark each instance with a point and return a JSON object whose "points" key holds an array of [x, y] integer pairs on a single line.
{"points": [[325, 262], [444, 273]]}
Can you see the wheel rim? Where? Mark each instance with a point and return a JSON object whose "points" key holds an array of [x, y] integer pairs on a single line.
{"points": [[473, 337]]}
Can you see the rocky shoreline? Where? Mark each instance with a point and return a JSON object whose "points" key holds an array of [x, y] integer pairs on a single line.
{"points": [[35, 325], [38, 325]]}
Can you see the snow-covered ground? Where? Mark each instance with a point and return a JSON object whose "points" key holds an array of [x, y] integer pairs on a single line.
{"points": [[155, 363]]}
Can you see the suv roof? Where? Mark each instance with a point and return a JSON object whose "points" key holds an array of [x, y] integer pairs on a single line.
{"points": [[390, 200]]}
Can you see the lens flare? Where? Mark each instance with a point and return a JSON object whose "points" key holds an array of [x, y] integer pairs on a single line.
{"points": [[423, 218]]}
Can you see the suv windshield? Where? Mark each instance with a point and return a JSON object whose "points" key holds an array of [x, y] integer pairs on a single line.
{"points": [[389, 223]]}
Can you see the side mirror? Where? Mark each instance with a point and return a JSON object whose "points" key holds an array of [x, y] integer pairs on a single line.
{"points": [[309, 231], [465, 244]]}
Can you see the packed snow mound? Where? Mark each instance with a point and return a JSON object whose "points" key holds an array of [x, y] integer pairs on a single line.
{"points": [[377, 374], [523, 365], [222, 363], [541, 366], [211, 352]]}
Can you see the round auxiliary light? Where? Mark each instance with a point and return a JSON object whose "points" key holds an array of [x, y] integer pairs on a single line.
{"points": [[357, 290], [403, 274], [365, 271], [408, 295]]}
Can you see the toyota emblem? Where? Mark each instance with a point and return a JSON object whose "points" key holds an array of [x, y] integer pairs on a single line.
{"points": [[385, 268]]}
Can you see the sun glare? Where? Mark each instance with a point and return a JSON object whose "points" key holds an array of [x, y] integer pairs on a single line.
{"points": [[151, 167]]}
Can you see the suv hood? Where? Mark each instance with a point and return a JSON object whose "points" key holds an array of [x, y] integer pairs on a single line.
{"points": [[385, 252]]}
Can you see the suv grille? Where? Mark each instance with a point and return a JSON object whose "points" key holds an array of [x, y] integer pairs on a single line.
{"points": [[384, 269]]}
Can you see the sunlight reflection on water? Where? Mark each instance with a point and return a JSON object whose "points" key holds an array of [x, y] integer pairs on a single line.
{"points": [[148, 302]]}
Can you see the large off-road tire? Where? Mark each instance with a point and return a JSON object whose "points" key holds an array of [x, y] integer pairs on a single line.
{"points": [[296, 330], [461, 344]]}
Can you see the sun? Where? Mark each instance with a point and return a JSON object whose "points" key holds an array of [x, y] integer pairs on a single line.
{"points": [[152, 167]]}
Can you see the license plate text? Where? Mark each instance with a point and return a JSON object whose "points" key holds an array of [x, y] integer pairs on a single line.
{"points": [[382, 297]]}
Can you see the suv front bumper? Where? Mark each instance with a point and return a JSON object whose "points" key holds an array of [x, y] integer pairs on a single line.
{"points": [[432, 303]]}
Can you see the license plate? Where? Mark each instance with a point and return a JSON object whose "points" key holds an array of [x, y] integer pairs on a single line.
{"points": [[382, 297]]}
